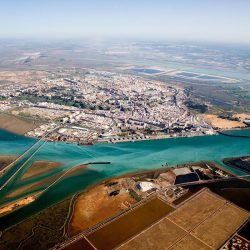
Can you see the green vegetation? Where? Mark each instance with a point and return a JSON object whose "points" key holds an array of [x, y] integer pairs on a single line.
{"points": [[54, 99], [220, 96], [41, 231], [202, 108], [3, 98], [61, 101], [134, 195], [228, 117]]}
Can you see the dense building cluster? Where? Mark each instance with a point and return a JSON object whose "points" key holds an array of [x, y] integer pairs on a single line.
{"points": [[107, 106]]}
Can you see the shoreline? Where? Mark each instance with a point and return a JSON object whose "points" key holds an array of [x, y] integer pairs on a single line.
{"points": [[85, 190], [232, 135], [37, 193], [18, 204], [16, 124], [132, 172], [39, 167], [137, 173], [230, 161], [152, 138]]}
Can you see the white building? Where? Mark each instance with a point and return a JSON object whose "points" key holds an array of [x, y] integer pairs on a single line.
{"points": [[144, 186]]}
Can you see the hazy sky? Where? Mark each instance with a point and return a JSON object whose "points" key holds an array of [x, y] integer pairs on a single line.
{"points": [[212, 20]]}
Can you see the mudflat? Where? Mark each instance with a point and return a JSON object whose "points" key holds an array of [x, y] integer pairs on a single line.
{"points": [[40, 167], [16, 124], [8, 208], [5, 160], [22, 190]]}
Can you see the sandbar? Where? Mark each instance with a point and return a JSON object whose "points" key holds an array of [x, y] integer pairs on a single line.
{"points": [[40, 167], [10, 207]]}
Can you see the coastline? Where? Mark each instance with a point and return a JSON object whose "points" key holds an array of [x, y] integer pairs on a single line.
{"points": [[104, 182], [16, 124], [17, 204], [124, 140], [39, 167], [233, 162], [147, 138], [138, 173], [153, 137], [21, 201], [166, 147]]}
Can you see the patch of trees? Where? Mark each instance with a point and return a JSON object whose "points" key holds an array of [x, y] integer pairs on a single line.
{"points": [[229, 117], [200, 107]]}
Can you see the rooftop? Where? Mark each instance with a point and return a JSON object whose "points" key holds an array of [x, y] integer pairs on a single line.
{"points": [[181, 171]]}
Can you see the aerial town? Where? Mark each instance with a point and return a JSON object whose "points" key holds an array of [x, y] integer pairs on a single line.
{"points": [[124, 125], [104, 107]]}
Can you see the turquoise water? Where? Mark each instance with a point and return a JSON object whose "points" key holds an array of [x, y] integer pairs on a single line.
{"points": [[124, 157]]}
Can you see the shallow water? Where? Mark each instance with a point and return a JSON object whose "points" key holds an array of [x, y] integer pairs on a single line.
{"points": [[124, 157]]}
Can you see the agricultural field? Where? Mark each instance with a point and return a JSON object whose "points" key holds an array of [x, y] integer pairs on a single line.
{"points": [[201, 221], [116, 232]]}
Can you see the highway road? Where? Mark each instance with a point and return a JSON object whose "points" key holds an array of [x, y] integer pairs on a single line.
{"points": [[21, 167], [6, 170]]}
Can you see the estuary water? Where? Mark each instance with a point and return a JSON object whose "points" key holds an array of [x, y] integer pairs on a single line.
{"points": [[125, 157]]}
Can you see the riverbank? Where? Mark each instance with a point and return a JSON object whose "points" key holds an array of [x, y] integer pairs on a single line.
{"points": [[44, 184], [16, 124], [113, 195], [241, 163], [124, 157], [227, 133], [5, 160], [78, 212], [155, 137], [12, 206], [35, 190], [29, 188]]}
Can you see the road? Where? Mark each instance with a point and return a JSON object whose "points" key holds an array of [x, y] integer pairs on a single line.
{"points": [[7, 169], [21, 167]]}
